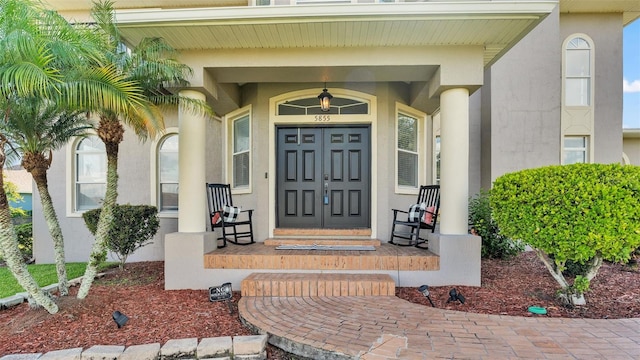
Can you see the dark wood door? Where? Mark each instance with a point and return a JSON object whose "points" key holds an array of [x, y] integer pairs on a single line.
{"points": [[323, 177]]}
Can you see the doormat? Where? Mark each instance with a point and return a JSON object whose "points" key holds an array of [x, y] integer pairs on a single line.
{"points": [[327, 247]]}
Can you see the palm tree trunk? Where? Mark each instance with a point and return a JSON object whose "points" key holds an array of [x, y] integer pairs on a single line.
{"points": [[54, 230], [12, 256], [104, 223]]}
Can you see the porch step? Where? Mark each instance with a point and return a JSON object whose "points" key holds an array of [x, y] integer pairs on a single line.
{"points": [[317, 284], [326, 242]]}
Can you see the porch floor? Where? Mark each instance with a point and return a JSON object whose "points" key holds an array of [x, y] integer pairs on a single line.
{"points": [[263, 255]]}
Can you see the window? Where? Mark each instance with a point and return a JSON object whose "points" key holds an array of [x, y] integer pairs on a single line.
{"points": [[576, 149], [578, 72], [239, 166], [90, 173], [168, 173], [437, 159], [311, 106], [409, 125], [407, 150]]}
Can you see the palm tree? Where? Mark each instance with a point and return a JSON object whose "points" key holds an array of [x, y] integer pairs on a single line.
{"points": [[9, 245], [37, 128], [151, 64], [43, 56]]}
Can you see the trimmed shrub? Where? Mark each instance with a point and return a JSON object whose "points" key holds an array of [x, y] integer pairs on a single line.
{"points": [[133, 227], [582, 213], [494, 244], [25, 240]]}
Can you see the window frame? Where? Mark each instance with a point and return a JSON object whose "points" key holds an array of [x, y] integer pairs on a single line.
{"points": [[578, 120], [155, 172], [565, 70], [421, 118], [72, 179], [584, 149], [230, 119]]}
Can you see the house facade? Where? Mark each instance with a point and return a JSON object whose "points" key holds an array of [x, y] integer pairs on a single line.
{"points": [[449, 92], [631, 147]]}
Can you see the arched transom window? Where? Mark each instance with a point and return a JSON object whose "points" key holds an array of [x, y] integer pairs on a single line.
{"points": [[311, 106]]}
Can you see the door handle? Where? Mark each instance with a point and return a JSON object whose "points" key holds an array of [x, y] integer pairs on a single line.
{"points": [[325, 198]]}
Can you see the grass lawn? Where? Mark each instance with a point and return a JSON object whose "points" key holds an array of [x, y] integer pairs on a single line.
{"points": [[44, 274]]}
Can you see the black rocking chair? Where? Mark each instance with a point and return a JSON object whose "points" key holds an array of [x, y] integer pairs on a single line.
{"points": [[422, 215], [219, 197]]}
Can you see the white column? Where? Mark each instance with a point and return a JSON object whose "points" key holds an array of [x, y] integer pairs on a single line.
{"points": [[454, 161], [192, 203]]}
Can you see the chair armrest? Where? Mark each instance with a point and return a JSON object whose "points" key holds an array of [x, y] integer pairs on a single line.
{"points": [[401, 211]]}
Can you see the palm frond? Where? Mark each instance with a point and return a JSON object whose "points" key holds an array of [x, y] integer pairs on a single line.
{"points": [[194, 106], [146, 121], [103, 89], [36, 125], [27, 78], [102, 13]]}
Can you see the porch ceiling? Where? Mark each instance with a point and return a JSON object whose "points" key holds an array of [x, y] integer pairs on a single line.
{"points": [[495, 25]]}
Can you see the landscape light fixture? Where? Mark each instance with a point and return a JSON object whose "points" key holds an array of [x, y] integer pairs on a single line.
{"points": [[325, 99], [120, 318], [424, 289], [455, 296]]}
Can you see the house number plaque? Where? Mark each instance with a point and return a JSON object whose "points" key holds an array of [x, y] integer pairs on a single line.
{"points": [[323, 118]]}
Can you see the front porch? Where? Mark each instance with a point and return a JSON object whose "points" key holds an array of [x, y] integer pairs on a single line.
{"points": [[193, 261]]}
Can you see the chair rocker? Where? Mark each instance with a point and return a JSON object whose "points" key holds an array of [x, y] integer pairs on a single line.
{"points": [[223, 215], [405, 230]]}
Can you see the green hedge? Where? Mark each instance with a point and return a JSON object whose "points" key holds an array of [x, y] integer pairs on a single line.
{"points": [[494, 244], [133, 227], [572, 214], [573, 211]]}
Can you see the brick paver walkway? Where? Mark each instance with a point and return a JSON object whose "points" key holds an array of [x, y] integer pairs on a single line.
{"points": [[375, 328]]}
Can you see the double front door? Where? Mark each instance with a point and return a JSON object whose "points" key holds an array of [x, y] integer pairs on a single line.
{"points": [[323, 177]]}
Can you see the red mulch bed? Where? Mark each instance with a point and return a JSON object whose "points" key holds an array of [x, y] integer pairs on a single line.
{"points": [[156, 315]]}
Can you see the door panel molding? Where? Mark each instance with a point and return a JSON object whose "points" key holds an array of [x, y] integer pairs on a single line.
{"points": [[328, 186]]}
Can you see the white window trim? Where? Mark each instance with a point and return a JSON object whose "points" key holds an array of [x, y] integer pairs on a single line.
{"points": [[435, 117], [228, 149], [588, 39], [585, 149], [578, 120], [421, 142], [71, 175], [155, 181]]}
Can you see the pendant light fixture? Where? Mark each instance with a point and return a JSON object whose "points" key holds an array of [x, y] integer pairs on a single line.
{"points": [[325, 99]]}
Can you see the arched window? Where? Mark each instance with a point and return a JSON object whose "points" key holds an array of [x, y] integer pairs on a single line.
{"points": [[90, 176], [168, 173], [578, 72]]}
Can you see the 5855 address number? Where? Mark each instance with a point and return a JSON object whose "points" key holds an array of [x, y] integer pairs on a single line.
{"points": [[323, 118]]}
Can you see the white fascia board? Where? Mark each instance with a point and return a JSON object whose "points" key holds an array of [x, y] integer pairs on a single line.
{"points": [[342, 12]]}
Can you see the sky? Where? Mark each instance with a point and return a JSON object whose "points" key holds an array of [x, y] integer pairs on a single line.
{"points": [[631, 74]]}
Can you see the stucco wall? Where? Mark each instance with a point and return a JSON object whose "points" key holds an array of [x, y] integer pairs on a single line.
{"points": [[606, 32], [521, 113], [134, 187], [524, 104]]}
